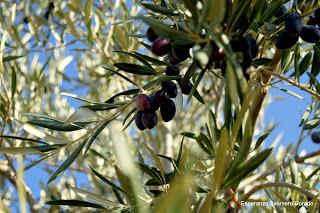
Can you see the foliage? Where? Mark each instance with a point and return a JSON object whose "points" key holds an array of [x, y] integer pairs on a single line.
{"points": [[208, 159]]}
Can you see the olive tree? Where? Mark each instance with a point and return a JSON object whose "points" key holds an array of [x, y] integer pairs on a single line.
{"points": [[158, 103]]}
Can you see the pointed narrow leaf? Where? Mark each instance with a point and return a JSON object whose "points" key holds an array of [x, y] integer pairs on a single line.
{"points": [[19, 150], [136, 56], [135, 69], [246, 168], [114, 186], [166, 31], [67, 162], [159, 9], [79, 203], [120, 75], [58, 125]]}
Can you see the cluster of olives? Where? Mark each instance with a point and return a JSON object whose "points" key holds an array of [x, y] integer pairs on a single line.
{"points": [[146, 116], [294, 28], [175, 54], [249, 49]]}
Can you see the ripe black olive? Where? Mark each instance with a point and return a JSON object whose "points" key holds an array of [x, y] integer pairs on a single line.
{"points": [[253, 47], [186, 88], [310, 34], [149, 119], [293, 24], [168, 111], [170, 88], [281, 12], [154, 104], [172, 70], [151, 36], [312, 21], [161, 96], [286, 40], [138, 121], [180, 52], [315, 137]]}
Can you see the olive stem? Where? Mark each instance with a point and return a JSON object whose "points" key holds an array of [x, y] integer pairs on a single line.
{"points": [[287, 163], [11, 177], [307, 193], [304, 88]]}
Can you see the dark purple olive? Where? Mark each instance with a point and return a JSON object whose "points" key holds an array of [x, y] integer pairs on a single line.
{"points": [[310, 34], [168, 111], [281, 11], [312, 21], [172, 70], [170, 88], [223, 68], [240, 45], [161, 96], [293, 24], [217, 54], [161, 46], [317, 13], [154, 103], [172, 60], [315, 137], [253, 47], [286, 40], [26, 20], [138, 121], [149, 119], [246, 61], [151, 36], [180, 52], [186, 87], [142, 102], [317, 16]]}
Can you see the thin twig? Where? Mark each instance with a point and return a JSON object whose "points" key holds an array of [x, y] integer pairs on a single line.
{"points": [[307, 193], [287, 163], [9, 175], [293, 83]]}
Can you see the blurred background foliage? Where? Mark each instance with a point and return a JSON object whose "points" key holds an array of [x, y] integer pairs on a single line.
{"points": [[58, 111]]}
